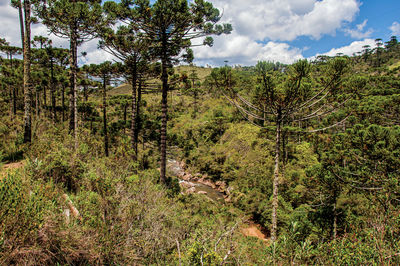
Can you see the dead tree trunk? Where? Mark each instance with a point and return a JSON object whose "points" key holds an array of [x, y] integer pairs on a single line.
{"points": [[274, 218]]}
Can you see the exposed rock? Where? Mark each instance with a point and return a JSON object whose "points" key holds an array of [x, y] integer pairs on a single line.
{"points": [[206, 182], [229, 190], [228, 199], [183, 165], [191, 190], [221, 186], [185, 184], [209, 183], [177, 168], [187, 177], [180, 174]]}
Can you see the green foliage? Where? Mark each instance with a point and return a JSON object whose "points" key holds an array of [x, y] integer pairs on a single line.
{"points": [[196, 255], [22, 210], [338, 188]]}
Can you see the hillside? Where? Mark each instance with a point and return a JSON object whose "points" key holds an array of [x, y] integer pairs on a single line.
{"points": [[202, 73], [267, 164]]}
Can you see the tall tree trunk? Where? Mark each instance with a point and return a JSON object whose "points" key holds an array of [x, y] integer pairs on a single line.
{"points": [[21, 25], [63, 101], [133, 123], [53, 91], [8, 75], [37, 103], [194, 98], [105, 115], [285, 155], [85, 89], [195, 104], [14, 93], [125, 115], [27, 74], [138, 121], [14, 101], [274, 218], [85, 92], [73, 125], [164, 109], [334, 220], [44, 100], [10, 96]]}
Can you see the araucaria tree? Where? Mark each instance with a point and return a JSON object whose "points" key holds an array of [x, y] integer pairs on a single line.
{"points": [[24, 8], [76, 20], [10, 51], [129, 46], [105, 71], [169, 26], [291, 98]]}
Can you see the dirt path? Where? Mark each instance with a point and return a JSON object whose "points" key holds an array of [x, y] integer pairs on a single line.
{"points": [[254, 230], [10, 167]]}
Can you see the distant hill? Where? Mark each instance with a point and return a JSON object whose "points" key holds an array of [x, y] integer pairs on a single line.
{"points": [[202, 73], [124, 89], [395, 65]]}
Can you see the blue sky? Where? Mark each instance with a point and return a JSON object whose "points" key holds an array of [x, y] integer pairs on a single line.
{"points": [[380, 16], [288, 30], [275, 30]]}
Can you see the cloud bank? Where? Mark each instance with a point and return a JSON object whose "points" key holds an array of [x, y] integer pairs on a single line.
{"points": [[263, 30]]}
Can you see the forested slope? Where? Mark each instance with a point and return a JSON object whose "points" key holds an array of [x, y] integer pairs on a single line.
{"points": [[308, 153]]}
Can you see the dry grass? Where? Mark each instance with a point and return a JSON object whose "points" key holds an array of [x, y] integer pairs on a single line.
{"points": [[10, 167], [395, 65], [201, 72], [126, 89]]}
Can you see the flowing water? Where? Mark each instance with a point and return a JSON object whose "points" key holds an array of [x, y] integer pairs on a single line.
{"points": [[176, 169], [211, 193]]}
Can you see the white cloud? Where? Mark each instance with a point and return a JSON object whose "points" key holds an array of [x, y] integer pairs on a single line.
{"points": [[358, 32], [10, 30], [354, 47], [260, 28], [395, 28], [94, 55], [285, 20], [9, 20], [239, 49]]}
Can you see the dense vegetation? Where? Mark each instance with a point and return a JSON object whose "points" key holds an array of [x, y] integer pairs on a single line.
{"points": [[310, 152]]}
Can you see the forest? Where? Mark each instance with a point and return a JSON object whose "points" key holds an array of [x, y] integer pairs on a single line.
{"points": [[152, 160]]}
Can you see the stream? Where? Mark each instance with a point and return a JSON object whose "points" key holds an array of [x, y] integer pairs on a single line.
{"points": [[189, 185], [177, 170]]}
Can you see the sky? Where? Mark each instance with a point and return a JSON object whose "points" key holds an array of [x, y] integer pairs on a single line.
{"points": [[273, 30]]}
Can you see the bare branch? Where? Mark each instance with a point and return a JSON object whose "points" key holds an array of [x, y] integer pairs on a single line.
{"points": [[252, 106], [334, 125], [314, 114], [225, 234]]}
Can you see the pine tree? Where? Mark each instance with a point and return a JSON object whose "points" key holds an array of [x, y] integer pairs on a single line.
{"points": [[77, 21], [10, 51], [170, 25], [130, 46], [290, 99], [106, 72], [26, 34]]}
